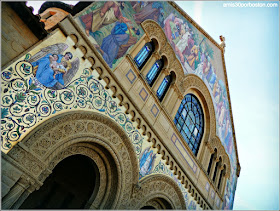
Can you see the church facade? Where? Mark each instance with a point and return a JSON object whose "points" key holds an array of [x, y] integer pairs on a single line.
{"points": [[115, 105]]}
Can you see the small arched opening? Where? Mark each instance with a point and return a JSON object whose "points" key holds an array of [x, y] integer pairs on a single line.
{"points": [[157, 204], [70, 186]]}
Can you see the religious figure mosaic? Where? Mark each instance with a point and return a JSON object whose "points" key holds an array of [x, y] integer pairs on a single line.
{"points": [[114, 27]]}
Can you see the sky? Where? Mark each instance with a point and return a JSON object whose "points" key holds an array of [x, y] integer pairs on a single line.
{"points": [[252, 63]]}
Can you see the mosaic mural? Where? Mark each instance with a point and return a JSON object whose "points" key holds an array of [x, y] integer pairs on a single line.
{"points": [[52, 69], [114, 27], [155, 165], [50, 79], [27, 103], [146, 162]]}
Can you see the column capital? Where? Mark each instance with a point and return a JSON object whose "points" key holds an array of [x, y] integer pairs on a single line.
{"points": [[208, 144], [156, 55], [176, 89], [165, 71], [147, 39]]}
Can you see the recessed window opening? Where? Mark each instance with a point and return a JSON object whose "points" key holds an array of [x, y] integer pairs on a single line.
{"points": [[154, 72], [190, 123], [163, 87], [144, 54]]}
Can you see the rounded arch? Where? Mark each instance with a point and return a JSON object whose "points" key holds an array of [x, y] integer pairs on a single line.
{"points": [[155, 43], [158, 187], [93, 135], [157, 203], [215, 143], [165, 62], [174, 77], [154, 31], [71, 185], [193, 84]]}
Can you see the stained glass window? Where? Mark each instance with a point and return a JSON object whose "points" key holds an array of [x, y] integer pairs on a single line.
{"points": [[163, 87], [154, 71], [143, 55], [189, 121]]}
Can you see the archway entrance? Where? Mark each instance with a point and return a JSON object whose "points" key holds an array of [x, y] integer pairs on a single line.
{"points": [[157, 203], [70, 186]]}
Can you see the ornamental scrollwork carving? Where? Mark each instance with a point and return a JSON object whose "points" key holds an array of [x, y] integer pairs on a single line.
{"points": [[86, 127], [28, 161], [158, 185], [89, 151], [152, 29]]}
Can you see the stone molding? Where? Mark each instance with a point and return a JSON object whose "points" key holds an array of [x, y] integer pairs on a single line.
{"points": [[154, 31], [158, 186], [74, 133], [221, 152]]}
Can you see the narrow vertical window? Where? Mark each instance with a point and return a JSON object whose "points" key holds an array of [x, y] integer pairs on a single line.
{"points": [[144, 55], [154, 72], [210, 163], [220, 179], [163, 87], [189, 121], [215, 172]]}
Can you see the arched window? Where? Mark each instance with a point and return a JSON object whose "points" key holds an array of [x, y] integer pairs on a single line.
{"points": [[144, 54], [189, 121], [154, 72], [164, 87], [216, 169], [210, 163], [220, 179]]}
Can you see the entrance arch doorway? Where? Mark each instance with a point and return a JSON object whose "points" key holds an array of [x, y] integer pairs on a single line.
{"points": [[70, 186], [158, 204]]}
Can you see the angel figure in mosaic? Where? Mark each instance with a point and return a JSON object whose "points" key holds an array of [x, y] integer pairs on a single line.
{"points": [[147, 160], [52, 68]]}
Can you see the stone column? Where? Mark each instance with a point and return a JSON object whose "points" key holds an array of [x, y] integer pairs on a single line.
{"points": [[218, 175], [169, 94], [16, 196], [214, 163], [23, 197], [154, 57], [177, 105], [207, 155], [223, 183]]}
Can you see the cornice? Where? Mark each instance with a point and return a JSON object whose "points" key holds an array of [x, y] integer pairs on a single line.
{"points": [[32, 21]]}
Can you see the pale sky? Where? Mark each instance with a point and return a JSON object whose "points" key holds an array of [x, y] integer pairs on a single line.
{"points": [[252, 62]]}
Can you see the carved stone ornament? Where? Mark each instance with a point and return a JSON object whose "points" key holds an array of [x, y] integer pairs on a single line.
{"points": [[158, 186], [78, 133], [153, 30]]}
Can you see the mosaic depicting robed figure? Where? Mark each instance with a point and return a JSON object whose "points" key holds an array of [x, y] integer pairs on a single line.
{"points": [[52, 68]]}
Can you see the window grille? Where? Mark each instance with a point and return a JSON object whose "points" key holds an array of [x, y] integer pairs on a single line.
{"points": [[189, 121]]}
